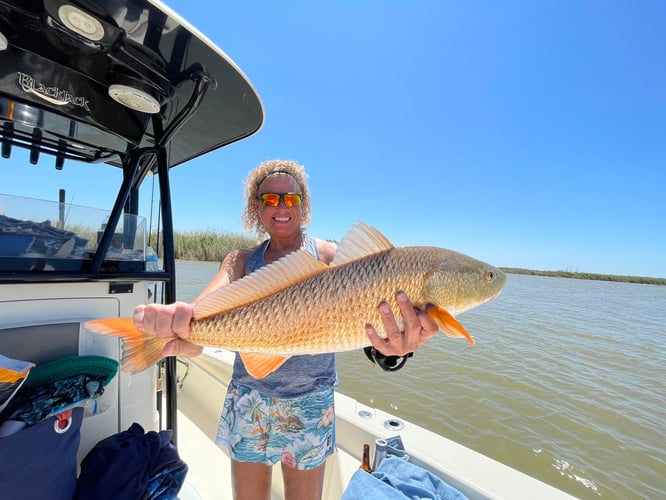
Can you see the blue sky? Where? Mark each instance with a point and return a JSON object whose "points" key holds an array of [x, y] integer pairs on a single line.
{"points": [[526, 134]]}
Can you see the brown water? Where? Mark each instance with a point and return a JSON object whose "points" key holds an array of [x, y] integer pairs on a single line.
{"points": [[567, 382]]}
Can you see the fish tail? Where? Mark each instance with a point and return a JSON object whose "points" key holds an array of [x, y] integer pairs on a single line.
{"points": [[140, 350]]}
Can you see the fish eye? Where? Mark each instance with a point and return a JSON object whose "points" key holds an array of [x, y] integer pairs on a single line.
{"points": [[490, 276]]}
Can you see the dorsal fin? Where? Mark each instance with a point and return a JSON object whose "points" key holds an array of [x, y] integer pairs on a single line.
{"points": [[361, 240], [276, 276]]}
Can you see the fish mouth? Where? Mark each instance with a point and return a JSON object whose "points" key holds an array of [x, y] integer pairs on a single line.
{"points": [[492, 297]]}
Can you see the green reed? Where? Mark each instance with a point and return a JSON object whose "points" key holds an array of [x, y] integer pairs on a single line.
{"points": [[205, 245]]}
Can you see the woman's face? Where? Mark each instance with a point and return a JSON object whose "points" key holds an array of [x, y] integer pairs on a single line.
{"points": [[280, 221]]}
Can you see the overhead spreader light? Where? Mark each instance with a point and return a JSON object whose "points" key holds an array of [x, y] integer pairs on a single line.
{"points": [[134, 98], [81, 22]]}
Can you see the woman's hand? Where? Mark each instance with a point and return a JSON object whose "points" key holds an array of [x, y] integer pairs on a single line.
{"points": [[419, 327], [171, 321]]}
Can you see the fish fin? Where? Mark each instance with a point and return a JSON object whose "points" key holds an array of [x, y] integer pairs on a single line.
{"points": [[447, 323], [140, 350], [259, 365], [361, 240], [278, 275]]}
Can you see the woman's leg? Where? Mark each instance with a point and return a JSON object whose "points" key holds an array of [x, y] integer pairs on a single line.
{"points": [[303, 484], [251, 481]]}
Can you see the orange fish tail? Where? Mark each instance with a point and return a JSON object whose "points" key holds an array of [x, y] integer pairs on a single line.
{"points": [[140, 350]]}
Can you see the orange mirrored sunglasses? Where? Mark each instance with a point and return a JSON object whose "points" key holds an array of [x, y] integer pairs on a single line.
{"points": [[273, 199]]}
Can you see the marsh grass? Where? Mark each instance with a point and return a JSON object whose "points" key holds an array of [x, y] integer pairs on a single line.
{"points": [[205, 245], [588, 276]]}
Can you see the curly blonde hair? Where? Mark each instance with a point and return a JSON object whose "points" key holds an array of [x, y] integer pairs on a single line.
{"points": [[250, 217]]}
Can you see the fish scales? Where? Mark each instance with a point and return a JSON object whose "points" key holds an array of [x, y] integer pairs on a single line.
{"points": [[327, 312]]}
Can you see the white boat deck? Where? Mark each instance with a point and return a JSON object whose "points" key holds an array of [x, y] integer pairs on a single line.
{"points": [[200, 403]]}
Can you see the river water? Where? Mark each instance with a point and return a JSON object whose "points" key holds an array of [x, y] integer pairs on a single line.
{"points": [[567, 382]]}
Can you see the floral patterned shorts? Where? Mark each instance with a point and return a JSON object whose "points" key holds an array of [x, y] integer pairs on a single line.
{"points": [[299, 432]]}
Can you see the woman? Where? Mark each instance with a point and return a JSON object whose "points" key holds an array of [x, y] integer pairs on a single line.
{"points": [[278, 204]]}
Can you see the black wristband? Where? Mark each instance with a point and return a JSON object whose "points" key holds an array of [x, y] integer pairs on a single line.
{"points": [[386, 363]]}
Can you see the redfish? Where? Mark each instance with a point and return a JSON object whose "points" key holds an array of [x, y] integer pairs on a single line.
{"points": [[299, 305]]}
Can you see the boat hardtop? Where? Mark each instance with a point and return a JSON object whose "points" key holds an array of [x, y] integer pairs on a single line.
{"points": [[98, 81]]}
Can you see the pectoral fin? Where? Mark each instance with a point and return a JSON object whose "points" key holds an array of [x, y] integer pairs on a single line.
{"points": [[260, 365], [447, 323]]}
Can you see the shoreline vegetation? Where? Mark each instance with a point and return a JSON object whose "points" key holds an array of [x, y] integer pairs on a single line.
{"points": [[644, 280], [213, 246]]}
